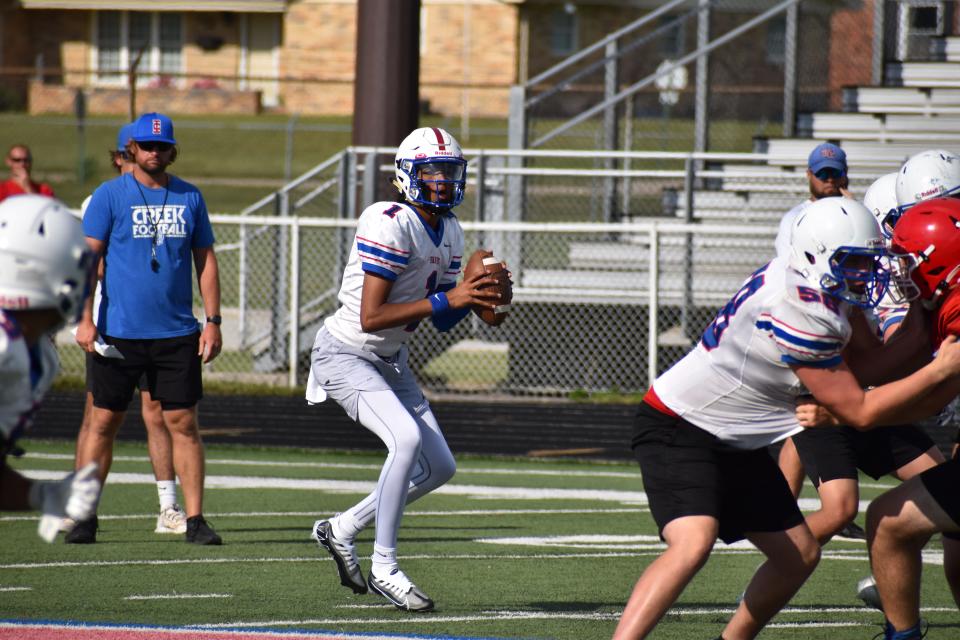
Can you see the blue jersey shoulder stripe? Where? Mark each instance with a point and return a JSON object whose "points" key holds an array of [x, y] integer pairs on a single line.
{"points": [[383, 253], [380, 271], [824, 345], [816, 364]]}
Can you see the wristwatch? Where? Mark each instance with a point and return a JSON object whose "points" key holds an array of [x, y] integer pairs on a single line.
{"points": [[214, 320]]}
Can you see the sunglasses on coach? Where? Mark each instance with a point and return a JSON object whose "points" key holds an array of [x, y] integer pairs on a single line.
{"points": [[828, 173], [155, 146]]}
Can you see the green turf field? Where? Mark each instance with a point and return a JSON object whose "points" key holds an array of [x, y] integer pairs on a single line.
{"points": [[510, 548]]}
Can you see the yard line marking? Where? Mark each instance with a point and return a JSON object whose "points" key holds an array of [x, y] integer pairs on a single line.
{"points": [[366, 467], [179, 596], [16, 589], [933, 557], [408, 514], [363, 487]]}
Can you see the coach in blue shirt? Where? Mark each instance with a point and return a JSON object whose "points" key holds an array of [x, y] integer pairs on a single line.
{"points": [[148, 225]]}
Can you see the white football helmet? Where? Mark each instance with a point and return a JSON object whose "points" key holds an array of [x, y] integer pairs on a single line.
{"points": [[836, 244], [431, 171], [881, 200], [929, 174], [44, 259]]}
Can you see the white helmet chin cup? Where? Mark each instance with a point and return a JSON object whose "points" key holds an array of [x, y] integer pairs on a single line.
{"points": [[44, 259], [927, 175], [430, 146], [881, 200], [829, 232]]}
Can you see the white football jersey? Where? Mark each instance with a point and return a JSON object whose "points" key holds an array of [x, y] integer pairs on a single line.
{"points": [[737, 383], [393, 241], [23, 379]]}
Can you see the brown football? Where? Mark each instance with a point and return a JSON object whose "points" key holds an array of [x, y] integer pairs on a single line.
{"points": [[495, 317]]}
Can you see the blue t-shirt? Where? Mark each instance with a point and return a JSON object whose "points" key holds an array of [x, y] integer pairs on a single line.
{"points": [[143, 298]]}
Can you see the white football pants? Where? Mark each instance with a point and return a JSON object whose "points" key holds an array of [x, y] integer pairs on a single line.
{"points": [[418, 460]]}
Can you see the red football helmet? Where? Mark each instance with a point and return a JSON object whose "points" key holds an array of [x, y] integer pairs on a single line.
{"points": [[926, 242]]}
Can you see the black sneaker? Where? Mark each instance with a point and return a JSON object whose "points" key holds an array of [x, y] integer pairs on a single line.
{"points": [[84, 532], [852, 531], [199, 532]]}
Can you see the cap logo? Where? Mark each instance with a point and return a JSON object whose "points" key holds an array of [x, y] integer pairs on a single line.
{"points": [[827, 153], [156, 126]]}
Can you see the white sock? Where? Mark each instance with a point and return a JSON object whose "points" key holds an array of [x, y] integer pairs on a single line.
{"points": [[345, 527], [167, 492], [384, 561]]}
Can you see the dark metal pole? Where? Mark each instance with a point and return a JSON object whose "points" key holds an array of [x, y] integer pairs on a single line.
{"points": [[387, 86]]}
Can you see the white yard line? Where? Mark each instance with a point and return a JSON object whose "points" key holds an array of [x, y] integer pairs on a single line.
{"points": [[5, 589], [408, 514], [461, 468], [178, 596]]}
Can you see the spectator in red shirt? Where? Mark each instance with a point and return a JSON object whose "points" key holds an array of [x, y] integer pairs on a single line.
{"points": [[20, 162]]}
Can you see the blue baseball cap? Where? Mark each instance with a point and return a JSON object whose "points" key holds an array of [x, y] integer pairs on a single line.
{"points": [[153, 127], [827, 155], [124, 135]]}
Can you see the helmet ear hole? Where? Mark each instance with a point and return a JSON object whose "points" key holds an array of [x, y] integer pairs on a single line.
{"points": [[810, 257], [936, 271]]}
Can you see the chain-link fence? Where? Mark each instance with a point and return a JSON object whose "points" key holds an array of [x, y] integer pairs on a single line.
{"points": [[598, 306]]}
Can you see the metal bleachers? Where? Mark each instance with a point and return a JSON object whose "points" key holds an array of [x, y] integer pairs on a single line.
{"points": [[880, 127], [925, 101]]}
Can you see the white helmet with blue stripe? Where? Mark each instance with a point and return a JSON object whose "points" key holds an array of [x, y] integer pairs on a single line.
{"points": [[836, 244]]}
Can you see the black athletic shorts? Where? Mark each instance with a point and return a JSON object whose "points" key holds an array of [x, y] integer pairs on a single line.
{"points": [[830, 453], [688, 471], [141, 383], [171, 366], [942, 482]]}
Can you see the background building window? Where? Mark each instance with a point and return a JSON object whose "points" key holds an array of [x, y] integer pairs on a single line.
{"points": [[120, 36], [563, 31]]}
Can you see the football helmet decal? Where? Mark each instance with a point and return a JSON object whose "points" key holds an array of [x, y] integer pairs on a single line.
{"points": [[430, 169], [836, 244], [927, 175]]}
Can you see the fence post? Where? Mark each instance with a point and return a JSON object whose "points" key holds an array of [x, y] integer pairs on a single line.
{"points": [[611, 67], [242, 286], [369, 179], [790, 71], [701, 125], [294, 344], [278, 307], [685, 309], [515, 200], [879, 42], [653, 306], [288, 148]]}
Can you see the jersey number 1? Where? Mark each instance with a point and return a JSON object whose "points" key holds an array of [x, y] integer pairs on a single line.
{"points": [[431, 289]]}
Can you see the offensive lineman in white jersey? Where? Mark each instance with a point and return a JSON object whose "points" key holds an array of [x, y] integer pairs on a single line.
{"points": [[402, 268], [701, 430], [44, 276]]}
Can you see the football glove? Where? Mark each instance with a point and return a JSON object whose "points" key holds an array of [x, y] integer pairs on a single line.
{"points": [[75, 497]]}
